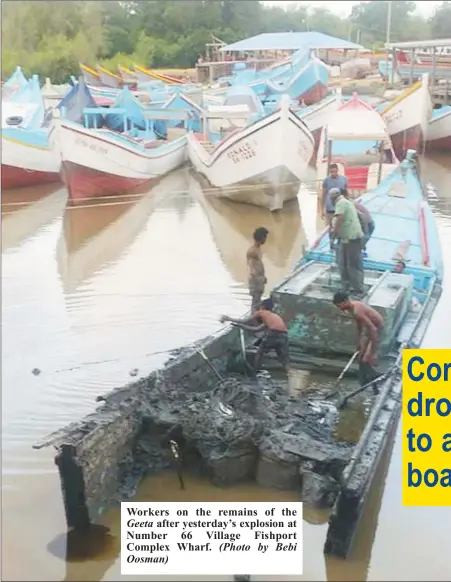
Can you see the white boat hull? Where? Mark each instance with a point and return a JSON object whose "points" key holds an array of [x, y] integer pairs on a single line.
{"points": [[273, 153], [407, 118], [439, 132], [26, 164], [100, 163]]}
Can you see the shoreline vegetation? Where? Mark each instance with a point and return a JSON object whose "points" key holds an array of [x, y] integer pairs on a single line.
{"points": [[50, 38]]}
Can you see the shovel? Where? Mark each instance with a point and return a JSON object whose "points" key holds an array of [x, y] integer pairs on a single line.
{"points": [[340, 377]]}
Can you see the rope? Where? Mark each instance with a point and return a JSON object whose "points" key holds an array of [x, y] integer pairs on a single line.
{"points": [[114, 360]]}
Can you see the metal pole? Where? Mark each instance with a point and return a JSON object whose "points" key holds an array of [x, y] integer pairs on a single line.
{"points": [[412, 57], [393, 65], [388, 21], [434, 58]]}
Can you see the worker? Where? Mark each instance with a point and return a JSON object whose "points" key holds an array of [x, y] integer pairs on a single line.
{"points": [[369, 327], [366, 220], [333, 180], [275, 332], [346, 227], [256, 278]]}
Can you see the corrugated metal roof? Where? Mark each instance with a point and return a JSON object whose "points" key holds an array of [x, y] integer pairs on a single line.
{"points": [[438, 42], [290, 41]]}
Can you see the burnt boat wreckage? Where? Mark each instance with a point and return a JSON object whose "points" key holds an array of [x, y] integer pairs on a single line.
{"points": [[200, 412]]}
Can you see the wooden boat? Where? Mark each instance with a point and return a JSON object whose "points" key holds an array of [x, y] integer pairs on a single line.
{"points": [[308, 84], [14, 83], [273, 153], [91, 76], [145, 75], [30, 152], [407, 117], [97, 161], [407, 70], [356, 139], [25, 211], [109, 79], [131, 419], [317, 116], [439, 129], [96, 233], [128, 76]]}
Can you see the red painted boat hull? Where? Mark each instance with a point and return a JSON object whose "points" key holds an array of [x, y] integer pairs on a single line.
{"points": [[84, 183], [412, 139], [13, 177], [314, 94]]}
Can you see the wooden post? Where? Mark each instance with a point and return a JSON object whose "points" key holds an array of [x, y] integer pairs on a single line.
{"points": [[393, 64], [381, 161], [434, 57]]}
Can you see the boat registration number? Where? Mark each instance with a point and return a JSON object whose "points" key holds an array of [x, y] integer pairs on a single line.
{"points": [[243, 152], [393, 116], [92, 146]]}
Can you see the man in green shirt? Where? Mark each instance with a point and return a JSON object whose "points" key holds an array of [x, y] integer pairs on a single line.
{"points": [[347, 228]]}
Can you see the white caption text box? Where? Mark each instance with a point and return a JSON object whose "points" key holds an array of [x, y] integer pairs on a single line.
{"points": [[211, 538]]}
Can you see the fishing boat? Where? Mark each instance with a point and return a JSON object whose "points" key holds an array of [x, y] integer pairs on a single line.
{"points": [[109, 79], [30, 152], [91, 76], [25, 211], [272, 152], [97, 161], [439, 129], [14, 83], [308, 84], [356, 139], [407, 117], [407, 69], [403, 274], [94, 234], [128, 76], [145, 75]]}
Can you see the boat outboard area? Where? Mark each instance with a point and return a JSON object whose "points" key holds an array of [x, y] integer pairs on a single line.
{"points": [[207, 411]]}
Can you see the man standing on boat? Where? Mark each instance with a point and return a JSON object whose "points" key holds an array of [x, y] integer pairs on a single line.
{"points": [[333, 180], [366, 220], [275, 332], [369, 327], [347, 228], [257, 278]]}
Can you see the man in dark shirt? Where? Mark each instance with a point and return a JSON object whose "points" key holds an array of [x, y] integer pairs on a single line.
{"points": [[333, 180], [276, 332]]}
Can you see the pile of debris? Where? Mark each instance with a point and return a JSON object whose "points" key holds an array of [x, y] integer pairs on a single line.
{"points": [[243, 429]]}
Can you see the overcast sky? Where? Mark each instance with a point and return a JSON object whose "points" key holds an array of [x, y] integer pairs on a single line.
{"points": [[344, 7]]}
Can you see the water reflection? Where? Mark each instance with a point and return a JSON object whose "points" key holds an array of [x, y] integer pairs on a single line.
{"points": [[232, 224], [95, 235], [26, 210]]}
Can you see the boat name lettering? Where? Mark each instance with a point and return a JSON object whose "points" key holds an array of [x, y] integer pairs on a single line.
{"points": [[243, 152], [393, 116], [92, 146]]}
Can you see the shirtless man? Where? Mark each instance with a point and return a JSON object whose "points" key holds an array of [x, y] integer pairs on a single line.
{"points": [[257, 279], [369, 327], [276, 332]]}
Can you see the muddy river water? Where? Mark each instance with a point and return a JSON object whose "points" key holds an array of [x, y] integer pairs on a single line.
{"points": [[91, 293]]}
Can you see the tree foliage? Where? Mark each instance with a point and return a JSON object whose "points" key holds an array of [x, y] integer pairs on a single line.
{"points": [[50, 38]]}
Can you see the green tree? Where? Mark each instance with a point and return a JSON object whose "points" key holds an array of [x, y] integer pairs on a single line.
{"points": [[371, 19], [441, 21]]}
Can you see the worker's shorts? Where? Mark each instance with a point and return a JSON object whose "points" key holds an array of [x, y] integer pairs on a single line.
{"points": [[277, 341]]}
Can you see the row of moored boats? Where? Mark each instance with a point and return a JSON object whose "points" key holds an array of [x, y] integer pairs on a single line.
{"points": [[255, 128]]}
